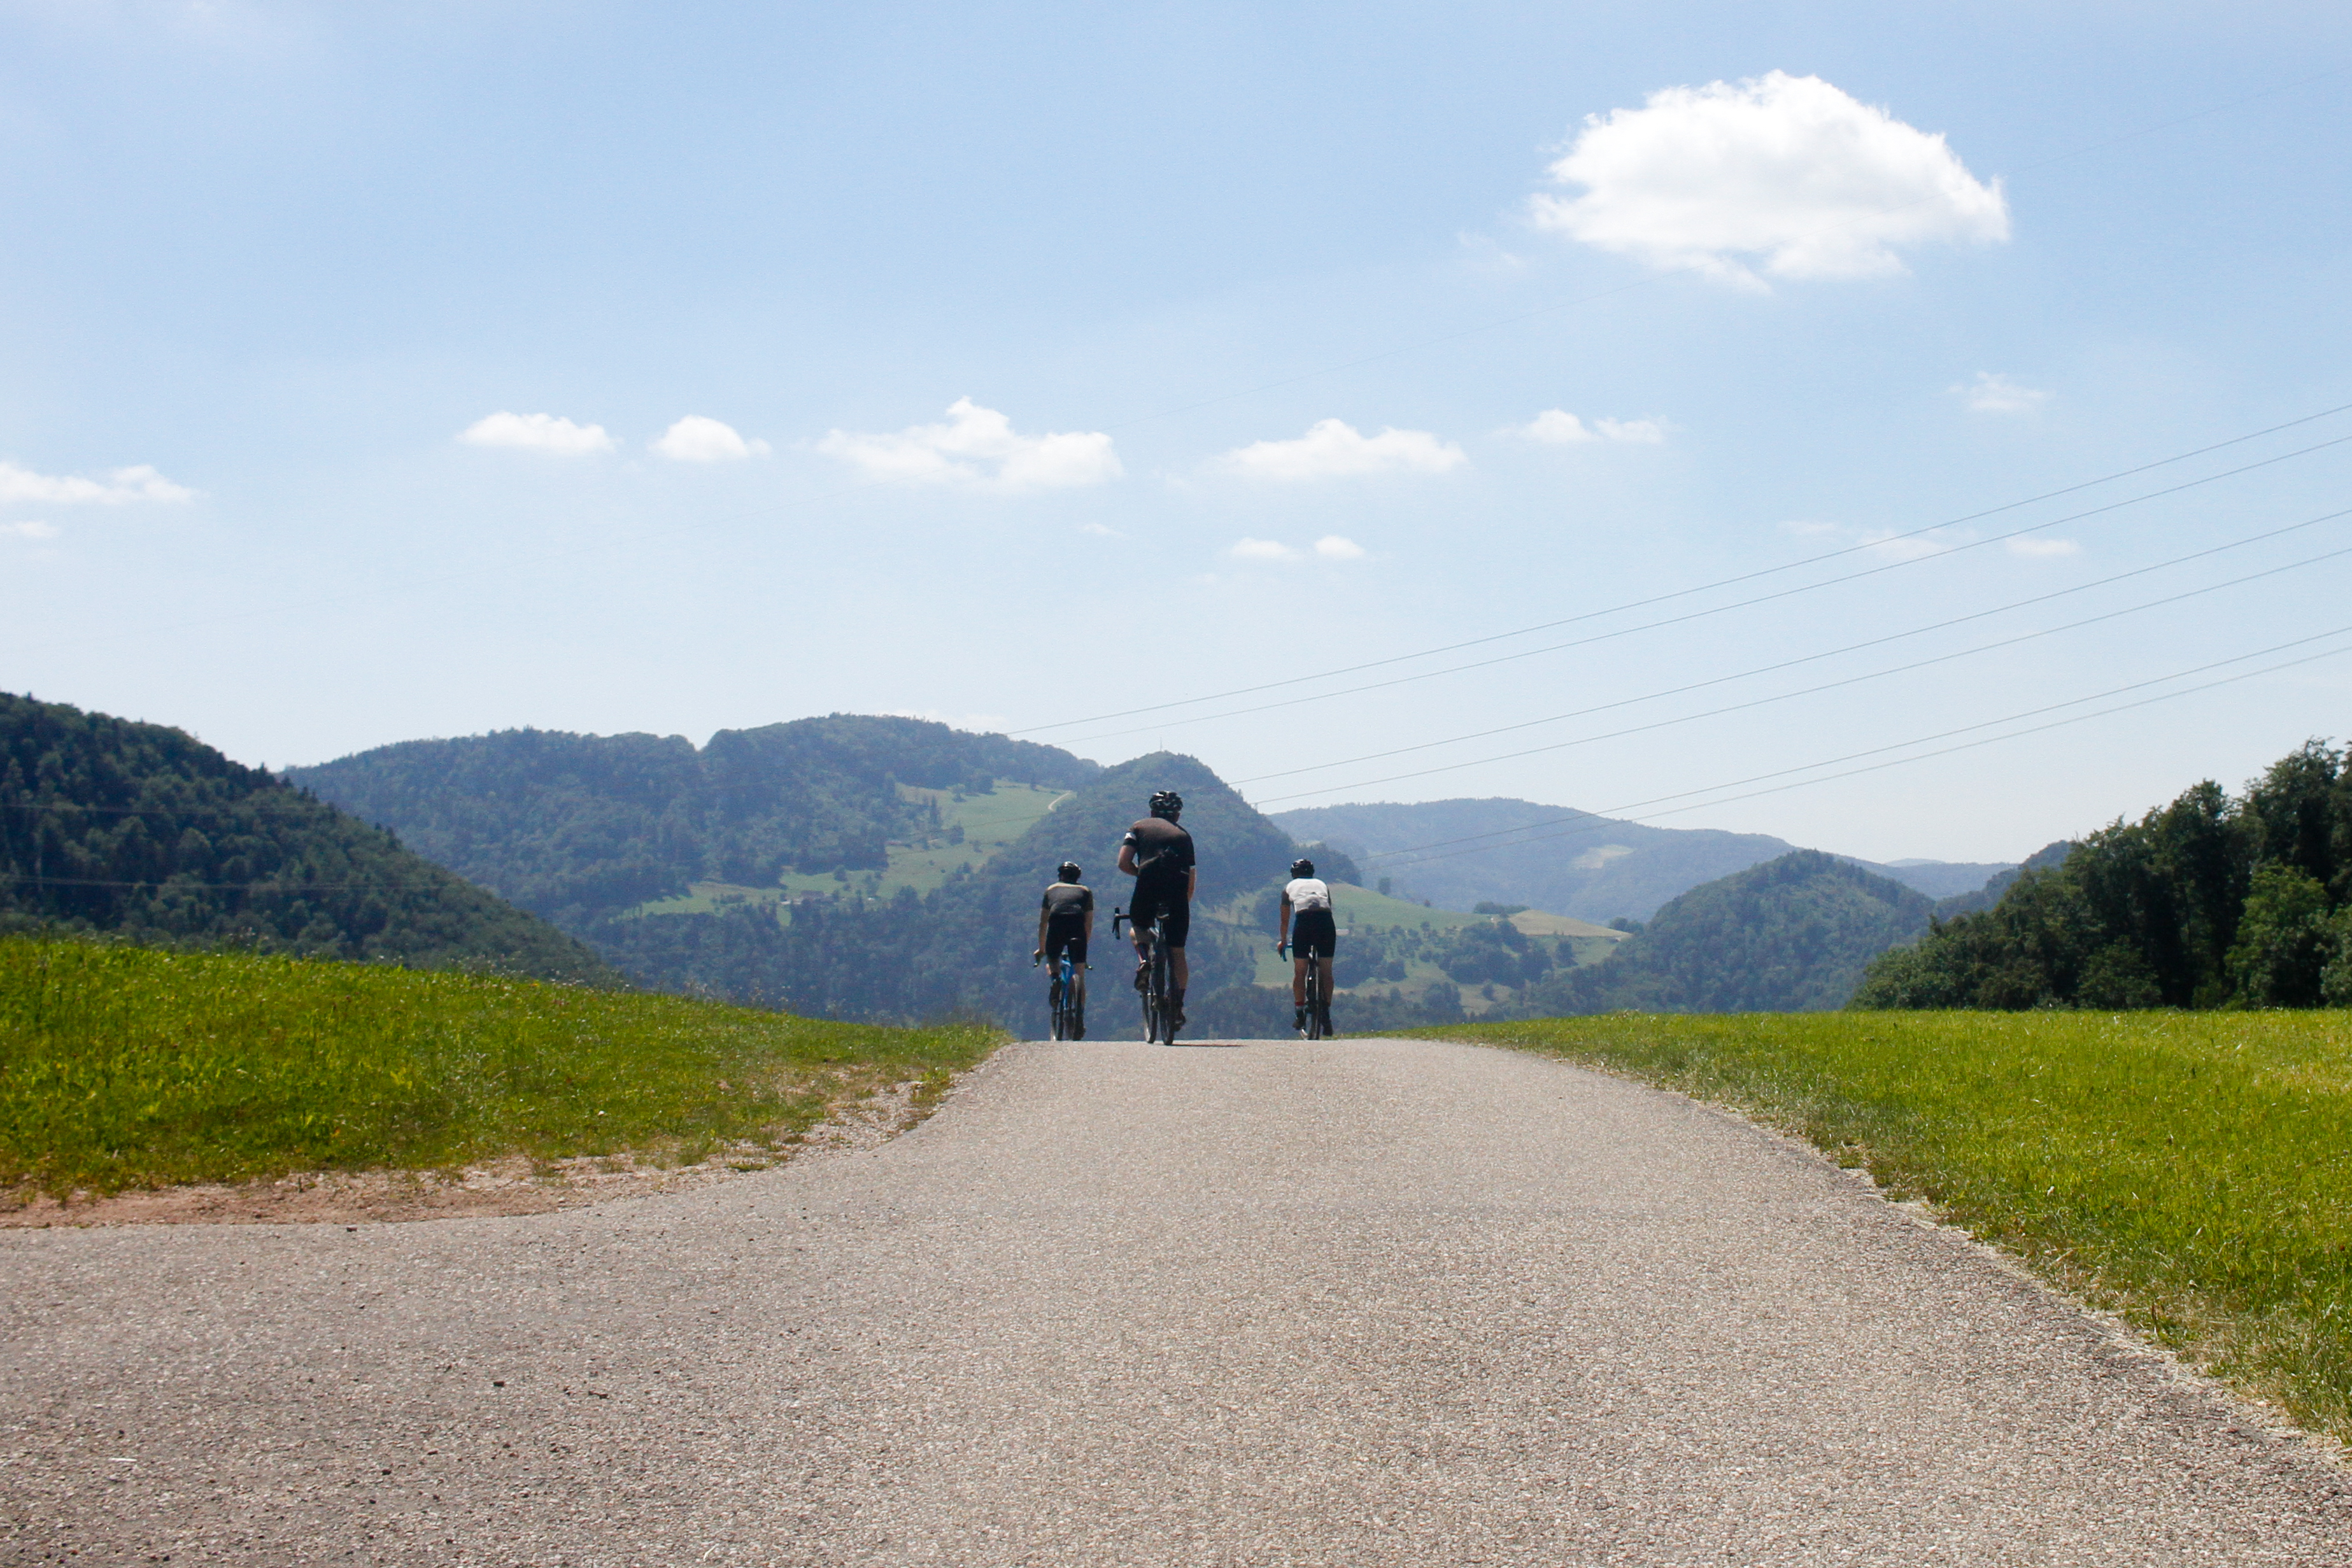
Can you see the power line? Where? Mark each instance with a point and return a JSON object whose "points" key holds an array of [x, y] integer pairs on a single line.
{"points": [[1824, 686], [1814, 658], [1594, 822], [1723, 582]]}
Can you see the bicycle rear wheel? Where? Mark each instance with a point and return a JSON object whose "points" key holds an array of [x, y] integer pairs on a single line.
{"points": [[1163, 993], [1316, 1025]]}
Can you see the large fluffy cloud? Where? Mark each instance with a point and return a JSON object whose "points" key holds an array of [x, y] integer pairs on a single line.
{"points": [[537, 433], [1333, 448], [1786, 171], [139, 484], [696, 439], [978, 447]]}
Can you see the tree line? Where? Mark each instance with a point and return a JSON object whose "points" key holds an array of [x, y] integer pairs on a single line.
{"points": [[2215, 899]]}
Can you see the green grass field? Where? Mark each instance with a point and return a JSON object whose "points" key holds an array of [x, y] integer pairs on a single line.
{"points": [[124, 1067], [2190, 1170]]}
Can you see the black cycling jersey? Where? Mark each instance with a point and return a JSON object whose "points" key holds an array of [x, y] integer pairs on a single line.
{"points": [[1163, 850], [1068, 901]]}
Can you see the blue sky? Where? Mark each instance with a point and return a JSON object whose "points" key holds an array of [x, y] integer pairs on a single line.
{"points": [[348, 350]]}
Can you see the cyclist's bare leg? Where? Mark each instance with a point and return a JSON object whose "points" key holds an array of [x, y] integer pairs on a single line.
{"points": [[1298, 979], [1178, 968]]}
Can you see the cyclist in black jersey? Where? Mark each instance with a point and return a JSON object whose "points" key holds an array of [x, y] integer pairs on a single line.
{"points": [[1065, 921], [1159, 855]]}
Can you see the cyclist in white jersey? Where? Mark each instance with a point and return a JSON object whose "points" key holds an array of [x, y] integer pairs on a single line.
{"points": [[1308, 925]]}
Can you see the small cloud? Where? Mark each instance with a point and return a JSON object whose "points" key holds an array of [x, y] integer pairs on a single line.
{"points": [[30, 528], [1263, 550], [1991, 394], [1641, 431], [694, 439], [1102, 529], [537, 433], [1557, 427], [2043, 549], [1333, 449], [1789, 172], [978, 448], [124, 485], [1332, 546]]}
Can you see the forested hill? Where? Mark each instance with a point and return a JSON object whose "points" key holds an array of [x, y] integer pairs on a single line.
{"points": [[964, 947], [144, 832], [581, 827], [1793, 935], [2216, 900], [1572, 862]]}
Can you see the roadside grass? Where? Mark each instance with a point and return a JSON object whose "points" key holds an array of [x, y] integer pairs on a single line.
{"points": [[125, 1068], [2186, 1170]]}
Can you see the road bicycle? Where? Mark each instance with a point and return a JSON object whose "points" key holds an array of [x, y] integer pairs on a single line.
{"points": [[1318, 995], [1066, 999], [1158, 978]]}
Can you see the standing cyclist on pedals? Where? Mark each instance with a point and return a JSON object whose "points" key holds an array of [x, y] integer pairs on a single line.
{"points": [[1159, 855], [1067, 920], [1308, 927]]}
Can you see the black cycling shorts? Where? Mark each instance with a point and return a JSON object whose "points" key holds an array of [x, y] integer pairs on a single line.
{"points": [[1069, 934], [1313, 931], [1153, 898]]}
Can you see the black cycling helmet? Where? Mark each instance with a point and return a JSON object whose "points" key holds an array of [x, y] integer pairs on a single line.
{"points": [[1069, 870], [1167, 803], [1302, 866]]}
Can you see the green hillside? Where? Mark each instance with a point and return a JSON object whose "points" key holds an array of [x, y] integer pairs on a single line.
{"points": [[2213, 901], [1793, 935], [144, 833], [579, 827]]}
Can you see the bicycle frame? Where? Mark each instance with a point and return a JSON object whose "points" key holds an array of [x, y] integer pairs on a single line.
{"points": [[1159, 979]]}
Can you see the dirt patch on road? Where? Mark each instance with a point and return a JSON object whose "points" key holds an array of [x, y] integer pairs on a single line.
{"points": [[513, 1185]]}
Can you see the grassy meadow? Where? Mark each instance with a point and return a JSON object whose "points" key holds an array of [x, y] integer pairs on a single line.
{"points": [[2192, 1171], [125, 1068]]}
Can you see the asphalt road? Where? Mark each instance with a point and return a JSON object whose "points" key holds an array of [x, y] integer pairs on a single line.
{"points": [[1355, 1304]]}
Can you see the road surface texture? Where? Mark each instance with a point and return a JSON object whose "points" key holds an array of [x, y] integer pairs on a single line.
{"points": [[1354, 1303]]}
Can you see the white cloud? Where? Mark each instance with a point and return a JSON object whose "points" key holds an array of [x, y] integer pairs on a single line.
{"points": [[696, 439], [30, 528], [1263, 550], [1994, 394], [1333, 449], [1103, 529], [1332, 546], [139, 484], [2043, 549], [1557, 427], [537, 433], [1785, 169], [978, 447], [1894, 547]]}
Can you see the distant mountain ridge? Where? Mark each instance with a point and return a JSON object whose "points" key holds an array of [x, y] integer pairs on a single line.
{"points": [[1562, 860], [142, 832]]}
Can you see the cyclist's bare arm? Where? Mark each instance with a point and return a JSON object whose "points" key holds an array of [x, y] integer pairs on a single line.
{"points": [[1283, 940], [1042, 915], [1127, 859]]}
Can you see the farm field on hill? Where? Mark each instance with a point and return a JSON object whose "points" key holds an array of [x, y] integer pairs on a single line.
{"points": [[970, 828], [2188, 1169], [126, 1068], [1411, 941]]}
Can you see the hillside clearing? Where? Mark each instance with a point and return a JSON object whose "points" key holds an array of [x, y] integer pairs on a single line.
{"points": [[2186, 1169], [125, 1068]]}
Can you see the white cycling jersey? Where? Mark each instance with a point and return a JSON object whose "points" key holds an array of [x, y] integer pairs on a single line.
{"points": [[1306, 893]]}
